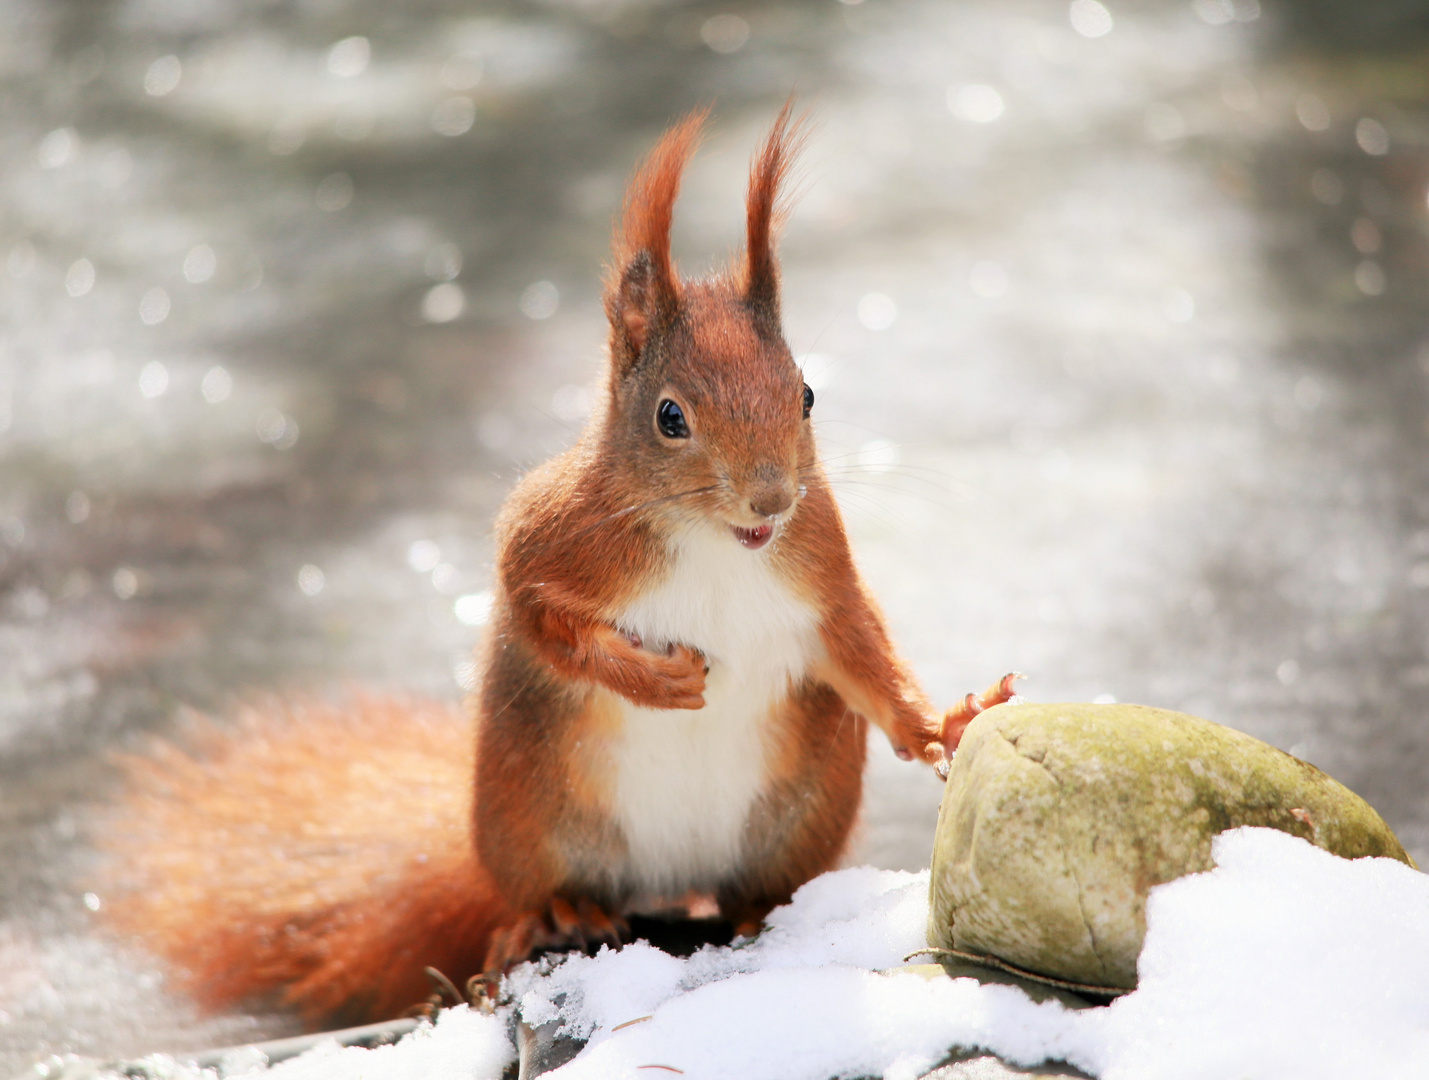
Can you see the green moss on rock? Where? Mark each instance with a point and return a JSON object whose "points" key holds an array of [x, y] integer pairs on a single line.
{"points": [[1059, 819]]}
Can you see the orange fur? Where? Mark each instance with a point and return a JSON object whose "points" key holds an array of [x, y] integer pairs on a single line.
{"points": [[641, 272], [319, 850], [764, 212], [328, 854]]}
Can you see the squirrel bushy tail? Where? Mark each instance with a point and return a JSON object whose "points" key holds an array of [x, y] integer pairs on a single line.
{"points": [[318, 855]]}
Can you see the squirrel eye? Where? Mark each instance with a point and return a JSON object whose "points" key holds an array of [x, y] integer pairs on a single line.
{"points": [[808, 400], [670, 419]]}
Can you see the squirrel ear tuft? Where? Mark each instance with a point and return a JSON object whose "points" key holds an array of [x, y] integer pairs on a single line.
{"points": [[641, 288], [765, 209]]}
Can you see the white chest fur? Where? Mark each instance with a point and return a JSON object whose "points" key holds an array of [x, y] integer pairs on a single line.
{"points": [[685, 780]]}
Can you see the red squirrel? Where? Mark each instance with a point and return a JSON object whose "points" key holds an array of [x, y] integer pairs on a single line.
{"points": [[681, 662]]}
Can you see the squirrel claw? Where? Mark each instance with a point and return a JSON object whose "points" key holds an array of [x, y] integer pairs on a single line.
{"points": [[586, 926], [962, 714]]}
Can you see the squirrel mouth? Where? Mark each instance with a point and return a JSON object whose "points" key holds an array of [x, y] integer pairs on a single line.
{"points": [[755, 538]]}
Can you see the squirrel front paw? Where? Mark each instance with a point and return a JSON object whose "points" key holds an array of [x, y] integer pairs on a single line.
{"points": [[680, 679], [673, 679], [956, 719]]}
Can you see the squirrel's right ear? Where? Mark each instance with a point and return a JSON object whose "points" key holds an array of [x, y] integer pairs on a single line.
{"points": [[765, 208], [642, 292]]}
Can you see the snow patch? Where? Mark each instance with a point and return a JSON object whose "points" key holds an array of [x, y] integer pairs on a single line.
{"points": [[1282, 962], [461, 1045]]}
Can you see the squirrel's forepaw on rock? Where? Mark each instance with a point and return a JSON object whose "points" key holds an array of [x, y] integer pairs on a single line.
{"points": [[956, 719]]}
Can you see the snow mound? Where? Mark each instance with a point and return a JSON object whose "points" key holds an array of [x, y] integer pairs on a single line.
{"points": [[1282, 962]]}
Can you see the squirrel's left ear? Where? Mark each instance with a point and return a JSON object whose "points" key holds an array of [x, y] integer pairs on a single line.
{"points": [[765, 209], [642, 292]]}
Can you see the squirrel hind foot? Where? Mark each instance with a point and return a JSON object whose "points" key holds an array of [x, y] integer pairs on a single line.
{"points": [[565, 926]]}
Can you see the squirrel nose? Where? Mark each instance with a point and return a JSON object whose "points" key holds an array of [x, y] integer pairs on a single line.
{"points": [[772, 499]]}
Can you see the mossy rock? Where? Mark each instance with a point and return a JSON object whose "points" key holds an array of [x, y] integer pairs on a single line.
{"points": [[1058, 820]]}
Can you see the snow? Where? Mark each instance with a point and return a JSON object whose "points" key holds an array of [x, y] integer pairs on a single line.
{"points": [[461, 1045], [1282, 962]]}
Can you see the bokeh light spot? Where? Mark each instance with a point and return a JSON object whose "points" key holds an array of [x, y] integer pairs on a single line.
{"points": [[154, 306], [153, 379], [474, 609], [287, 137], [1370, 279], [423, 556], [1090, 18], [311, 579], [454, 116], [349, 57], [77, 507], [1313, 113], [200, 264], [125, 583], [57, 147], [79, 278], [277, 429], [1372, 137], [444, 577], [443, 303], [465, 673], [977, 102], [725, 33], [217, 385], [540, 300], [1365, 236], [163, 76], [443, 262], [1214, 12], [462, 72]]}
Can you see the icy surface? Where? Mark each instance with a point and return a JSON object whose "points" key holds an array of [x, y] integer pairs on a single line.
{"points": [[1283, 962]]}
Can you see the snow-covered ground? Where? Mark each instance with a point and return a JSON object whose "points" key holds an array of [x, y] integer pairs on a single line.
{"points": [[1282, 963]]}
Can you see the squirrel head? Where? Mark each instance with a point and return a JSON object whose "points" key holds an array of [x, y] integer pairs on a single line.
{"points": [[705, 400]]}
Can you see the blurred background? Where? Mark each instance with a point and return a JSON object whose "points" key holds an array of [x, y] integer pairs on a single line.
{"points": [[1115, 312]]}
